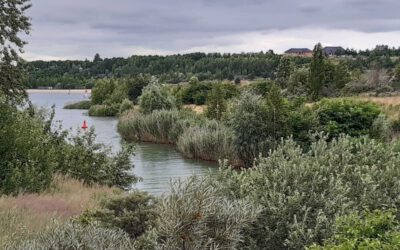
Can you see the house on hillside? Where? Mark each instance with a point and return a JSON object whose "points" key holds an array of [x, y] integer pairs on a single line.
{"points": [[333, 51], [303, 52]]}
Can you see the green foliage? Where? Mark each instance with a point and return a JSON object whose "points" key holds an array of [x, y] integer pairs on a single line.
{"points": [[13, 23], [26, 153], [258, 124], [104, 110], [347, 116], [285, 70], [76, 236], [126, 104], [302, 193], [134, 213], [368, 230], [195, 93], [317, 72], [156, 97], [84, 159], [196, 216], [216, 104], [209, 141], [79, 105], [102, 91], [135, 86]]}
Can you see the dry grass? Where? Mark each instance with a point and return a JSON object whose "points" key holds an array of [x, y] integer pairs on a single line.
{"points": [[28, 213], [390, 104], [199, 109]]}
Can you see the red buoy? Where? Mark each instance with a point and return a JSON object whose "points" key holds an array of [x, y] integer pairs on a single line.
{"points": [[84, 125]]}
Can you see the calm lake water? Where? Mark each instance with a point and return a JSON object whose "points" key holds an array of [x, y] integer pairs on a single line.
{"points": [[156, 164]]}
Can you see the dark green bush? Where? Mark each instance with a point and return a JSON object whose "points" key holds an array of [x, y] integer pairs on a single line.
{"points": [[367, 230], [84, 159], [104, 110], [79, 105], [134, 213], [26, 152], [346, 116]]}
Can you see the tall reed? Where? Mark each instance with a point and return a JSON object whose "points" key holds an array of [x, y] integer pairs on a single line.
{"points": [[211, 141], [160, 126]]}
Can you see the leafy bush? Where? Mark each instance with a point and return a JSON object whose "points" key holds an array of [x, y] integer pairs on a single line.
{"points": [[84, 159], [126, 104], [76, 236], [134, 213], [211, 141], [302, 193], [104, 110], [347, 116], [102, 91], [196, 216], [26, 152], [216, 104], [79, 105], [370, 230], [156, 97], [195, 93], [161, 126]]}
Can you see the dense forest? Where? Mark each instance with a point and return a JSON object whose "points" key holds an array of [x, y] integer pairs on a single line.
{"points": [[180, 68]]}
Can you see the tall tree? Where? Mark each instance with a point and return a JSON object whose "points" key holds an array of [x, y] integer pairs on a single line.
{"points": [[317, 72], [13, 22], [285, 69]]}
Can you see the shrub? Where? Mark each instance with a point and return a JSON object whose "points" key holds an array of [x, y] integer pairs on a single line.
{"points": [[196, 216], [126, 104], [216, 104], [162, 126], [104, 110], [367, 230], [102, 90], [84, 159], [347, 116], [26, 152], [302, 193], [195, 93], [211, 141], [75, 236], [156, 97], [79, 105], [134, 213]]}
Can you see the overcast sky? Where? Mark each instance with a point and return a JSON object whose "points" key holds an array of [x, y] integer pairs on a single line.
{"points": [[77, 29]]}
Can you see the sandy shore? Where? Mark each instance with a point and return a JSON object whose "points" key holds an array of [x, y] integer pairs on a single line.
{"points": [[66, 91]]}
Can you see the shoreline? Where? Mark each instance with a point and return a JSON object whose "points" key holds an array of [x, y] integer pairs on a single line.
{"points": [[66, 91]]}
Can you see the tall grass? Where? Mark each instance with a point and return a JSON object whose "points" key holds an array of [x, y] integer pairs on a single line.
{"points": [[160, 126], [26, 214], [211, 141]]}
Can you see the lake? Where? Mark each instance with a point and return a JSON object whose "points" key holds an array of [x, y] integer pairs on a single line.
{"points": [[156, 164]]}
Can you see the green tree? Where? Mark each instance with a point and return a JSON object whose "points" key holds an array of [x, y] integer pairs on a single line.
{"points": [[13, 22], [317, 72], [285, 69], [156, 97], [97, 58], [102, 90], [216, 104]]}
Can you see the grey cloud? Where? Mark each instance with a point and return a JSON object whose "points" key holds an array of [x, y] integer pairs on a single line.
{"points": [[174, 25]]}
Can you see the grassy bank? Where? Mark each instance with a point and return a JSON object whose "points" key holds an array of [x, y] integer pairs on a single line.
{"points": [[26, 214], [79, 105]]}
